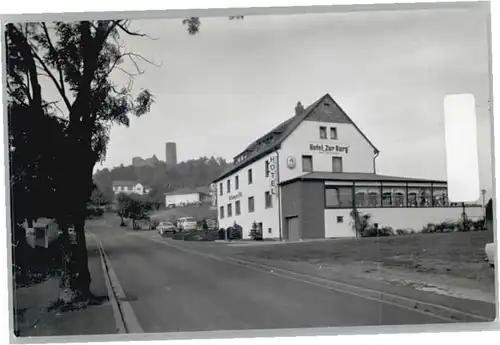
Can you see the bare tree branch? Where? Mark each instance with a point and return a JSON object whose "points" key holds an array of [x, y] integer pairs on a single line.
{"points": [[51, 76], [131, 75], [58, 65], [139, 56], [125, 28]]}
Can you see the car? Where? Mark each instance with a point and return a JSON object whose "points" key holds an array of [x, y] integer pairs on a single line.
{"points": [[187, 224], [165, 227]]}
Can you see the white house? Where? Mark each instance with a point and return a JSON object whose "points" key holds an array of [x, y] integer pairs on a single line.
{"points": [[186, 196], [130, 187], [303, 179]]}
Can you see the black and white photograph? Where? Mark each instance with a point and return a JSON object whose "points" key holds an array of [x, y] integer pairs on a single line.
{"points": [[244, 172]]}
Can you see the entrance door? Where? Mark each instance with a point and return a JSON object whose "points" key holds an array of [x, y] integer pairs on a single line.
{"points": [[292, 225], [259, 226]]}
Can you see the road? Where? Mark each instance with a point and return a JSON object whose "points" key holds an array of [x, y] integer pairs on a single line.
{"points": [[172, 290]]}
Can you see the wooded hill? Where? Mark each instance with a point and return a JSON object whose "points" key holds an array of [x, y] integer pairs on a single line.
{"points": [[163, 178]]}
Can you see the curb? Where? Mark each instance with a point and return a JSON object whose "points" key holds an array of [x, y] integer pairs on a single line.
{"points": [[126, 320], [439, 311]]}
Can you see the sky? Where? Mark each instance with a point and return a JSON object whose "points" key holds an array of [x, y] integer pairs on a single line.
{"points": [[218, 91]]}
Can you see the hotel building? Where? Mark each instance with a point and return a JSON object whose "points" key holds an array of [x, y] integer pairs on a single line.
{"points": [[302, 180]]}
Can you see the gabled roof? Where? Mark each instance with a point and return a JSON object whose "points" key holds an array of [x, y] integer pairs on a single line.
{"points": [[361, 177], [125, 183], [272, 140]]}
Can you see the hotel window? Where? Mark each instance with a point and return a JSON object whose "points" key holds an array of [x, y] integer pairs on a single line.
{"points": [[237, 207], [333, 133], [221, 211], [221, 187], [251, 204], [322, 133], [419, 196], [229, 210], [338, 197], [229, 186], [337, 164], [307, 163], [367, 196], [440, 197], [412, 197], [250, 177], [267, 168], [394, 197], [269, 200], [236, 182]]}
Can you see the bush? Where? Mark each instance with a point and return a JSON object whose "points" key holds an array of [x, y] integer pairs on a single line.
{"points": [[255, 233], [403, 232], [375, 231], [235, 232], [154, 224], [222, 234]]}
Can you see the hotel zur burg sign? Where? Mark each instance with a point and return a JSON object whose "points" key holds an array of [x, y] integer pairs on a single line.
{"points": [[334, 149]]}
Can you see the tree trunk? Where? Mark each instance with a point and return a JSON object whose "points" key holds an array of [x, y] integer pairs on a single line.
{"points": [[81, 280]]}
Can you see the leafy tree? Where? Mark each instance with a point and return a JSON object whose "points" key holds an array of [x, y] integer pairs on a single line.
{"points": [[78, 58], [123, 207]]}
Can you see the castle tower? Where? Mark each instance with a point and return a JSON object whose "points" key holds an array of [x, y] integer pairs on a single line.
{"points": [[171, 153]]}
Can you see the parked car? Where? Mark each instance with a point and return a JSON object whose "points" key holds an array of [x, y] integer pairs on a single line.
{"points": [[187, 224], [165, 227]]}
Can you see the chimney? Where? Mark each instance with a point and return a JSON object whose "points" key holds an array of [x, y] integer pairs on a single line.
{"points": [[299, 108]]}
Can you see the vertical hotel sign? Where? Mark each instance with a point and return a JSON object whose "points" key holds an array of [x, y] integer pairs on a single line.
{"points": [[273, 174], [213, 194]]}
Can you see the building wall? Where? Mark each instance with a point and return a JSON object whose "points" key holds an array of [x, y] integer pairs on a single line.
{"points": [[396, 218], [313, 206], [269, 217], [300, 199], [358, 158], [182, 198]]}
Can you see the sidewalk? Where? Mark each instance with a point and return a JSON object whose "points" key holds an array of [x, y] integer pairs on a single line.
{"points": [[35, 319]]}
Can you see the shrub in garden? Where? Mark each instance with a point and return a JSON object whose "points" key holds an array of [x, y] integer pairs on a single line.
{"points": [[237, 232], [222, 234], [375, 231], [154, 224], [403, 232], [255, 233]]}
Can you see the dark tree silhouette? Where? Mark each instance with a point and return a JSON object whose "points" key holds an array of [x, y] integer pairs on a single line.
{"points": [[78, 59]]}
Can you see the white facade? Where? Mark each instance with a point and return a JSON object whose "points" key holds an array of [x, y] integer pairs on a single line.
{"points": [[182, 199], [396, 218], [260, 184], [356, 153], [325, 140], [131, 188]]}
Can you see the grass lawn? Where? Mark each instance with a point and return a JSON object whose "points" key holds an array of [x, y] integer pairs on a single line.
{"points": [[459, 254]]}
